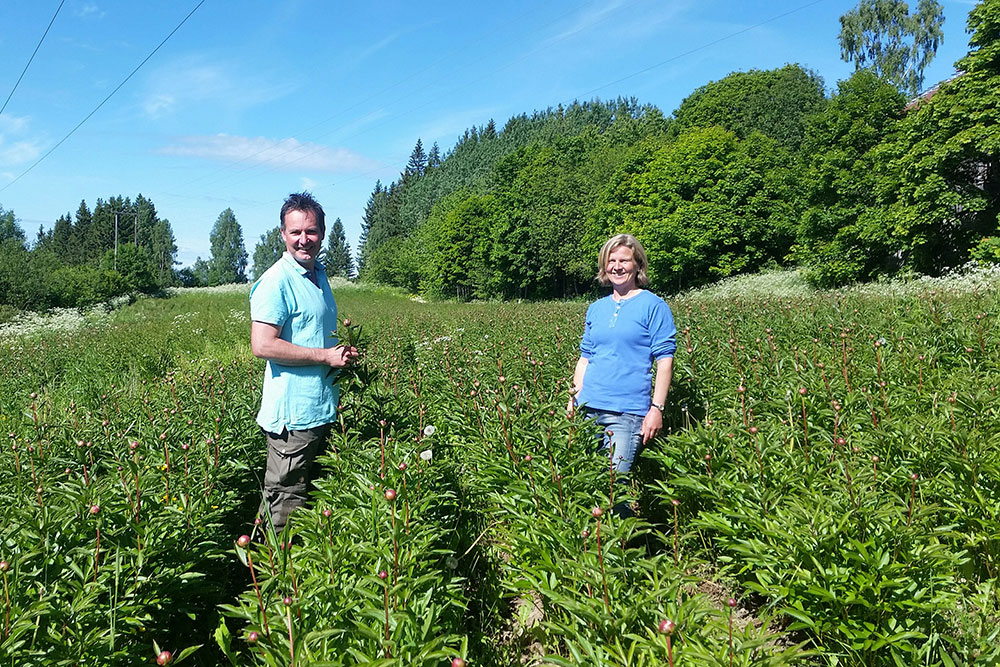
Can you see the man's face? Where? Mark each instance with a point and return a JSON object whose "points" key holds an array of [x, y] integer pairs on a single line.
{"points": [[303, 237]]}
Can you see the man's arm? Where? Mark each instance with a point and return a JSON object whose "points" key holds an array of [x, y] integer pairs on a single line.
{"points": [[266, 343]]}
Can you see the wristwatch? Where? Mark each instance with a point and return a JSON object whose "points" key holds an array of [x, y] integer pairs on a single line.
{"points": [[658, 406]]}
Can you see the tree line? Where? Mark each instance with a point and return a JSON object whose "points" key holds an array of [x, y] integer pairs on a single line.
{"points": [[119, 246], [122, 246], [759, 169]]}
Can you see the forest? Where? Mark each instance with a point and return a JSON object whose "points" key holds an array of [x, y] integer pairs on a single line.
{"points": [[759, 170]]}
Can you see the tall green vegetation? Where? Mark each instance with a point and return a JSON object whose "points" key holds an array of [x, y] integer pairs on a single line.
{"points": [[521, 212], [229, 257], [912, 189], [772, 102], [755, 170], [706, 205], [841, 233], [267, 251], [337, 257], [883, 35], [948, 158], [117, 247]]}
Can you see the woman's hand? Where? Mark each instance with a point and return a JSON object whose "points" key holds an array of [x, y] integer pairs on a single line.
{"points": [[578, 374], [651, 424]]}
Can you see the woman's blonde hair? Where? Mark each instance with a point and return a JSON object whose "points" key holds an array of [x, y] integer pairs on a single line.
{"points": [[638, 254]]}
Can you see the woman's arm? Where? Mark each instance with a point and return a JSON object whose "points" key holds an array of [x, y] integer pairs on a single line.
{"points": [[578, 373], [653, 421]]}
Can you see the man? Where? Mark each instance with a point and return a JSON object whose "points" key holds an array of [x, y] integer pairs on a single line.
{"points": [[293, 317]]}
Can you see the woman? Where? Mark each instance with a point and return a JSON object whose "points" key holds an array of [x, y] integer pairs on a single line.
{"points": [[625, 333]]}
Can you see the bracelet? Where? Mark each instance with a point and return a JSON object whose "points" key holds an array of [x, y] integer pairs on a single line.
{"points": [[658, 406]]}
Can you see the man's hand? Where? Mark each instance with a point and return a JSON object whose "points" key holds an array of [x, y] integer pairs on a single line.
{"points": [[340, 356], [266, 343]]}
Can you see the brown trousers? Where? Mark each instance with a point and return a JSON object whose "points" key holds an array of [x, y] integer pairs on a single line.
{"points": [[291, 463]]}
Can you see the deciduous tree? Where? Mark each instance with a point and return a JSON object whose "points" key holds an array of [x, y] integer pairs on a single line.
{"points": [[843, 235], [229, 257], [948, 157], [267, 251], [776, 103], [897, 45]]}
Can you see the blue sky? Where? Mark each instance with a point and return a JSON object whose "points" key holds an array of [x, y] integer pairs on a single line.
{"points": [[251, 100]]}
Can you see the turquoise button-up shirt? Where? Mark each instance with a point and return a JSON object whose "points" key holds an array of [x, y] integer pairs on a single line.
{"points": [[296, 397]]}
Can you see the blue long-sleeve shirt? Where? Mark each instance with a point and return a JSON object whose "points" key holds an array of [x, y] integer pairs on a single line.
{"points": [[621, 339]]}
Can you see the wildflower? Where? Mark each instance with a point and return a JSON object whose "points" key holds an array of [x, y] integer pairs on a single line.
{"points": [[426, 455], [429, 430]]}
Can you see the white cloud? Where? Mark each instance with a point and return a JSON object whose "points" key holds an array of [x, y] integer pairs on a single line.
{"points": [[88, 9], [308, 183], [19, 152], [158, 104], [14, 124], [633, 24], [375, 48], [195, 80], [279, 153], [15, 147], [586, 19]]}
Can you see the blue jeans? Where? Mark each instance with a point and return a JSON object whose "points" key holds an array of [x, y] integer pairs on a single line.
{"points": [[624, 439]]}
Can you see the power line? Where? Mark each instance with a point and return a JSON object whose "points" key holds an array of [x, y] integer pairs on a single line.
{"points": [[37, 46], [425, 86], [446, 57], [110, 95], [611, 83], [527, 54], [702, 47]]}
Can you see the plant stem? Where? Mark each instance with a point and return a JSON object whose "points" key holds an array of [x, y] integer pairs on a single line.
{"points": [[260, 600], [600, 559]]}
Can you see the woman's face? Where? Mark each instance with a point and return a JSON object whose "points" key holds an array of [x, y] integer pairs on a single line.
{"points": [[621, 268]]}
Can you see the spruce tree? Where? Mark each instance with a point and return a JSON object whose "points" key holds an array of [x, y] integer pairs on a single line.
{"points": [[338, 254], [418, 160], [76, 254], [490, 131], [434, 157], [62, 238], [375, 201]]}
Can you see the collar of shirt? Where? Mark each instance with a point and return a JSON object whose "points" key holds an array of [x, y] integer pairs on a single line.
{"points": [[312, 276]]}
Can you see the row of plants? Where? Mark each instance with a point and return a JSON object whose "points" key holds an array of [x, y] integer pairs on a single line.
{"points": [[825, 493]]}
